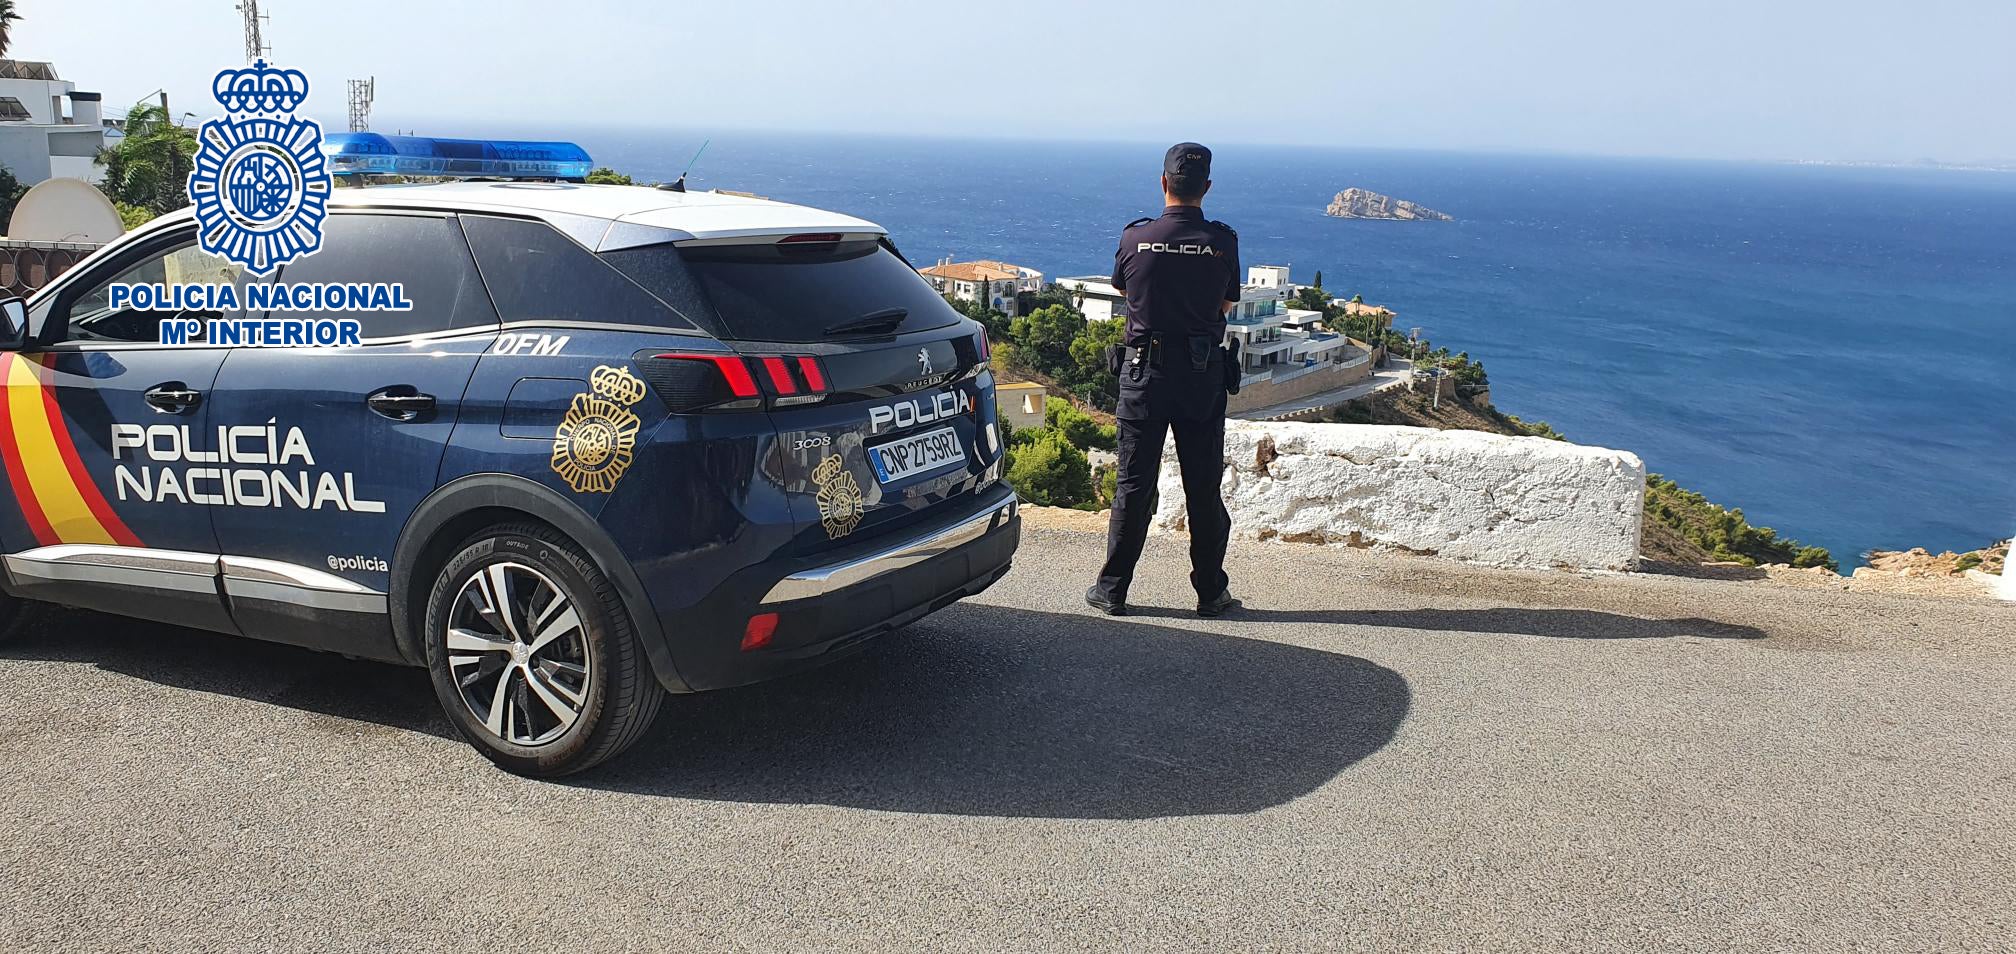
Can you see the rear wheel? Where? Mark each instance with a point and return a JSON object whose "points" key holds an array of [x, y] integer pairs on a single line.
{"points": [[533, 656]]}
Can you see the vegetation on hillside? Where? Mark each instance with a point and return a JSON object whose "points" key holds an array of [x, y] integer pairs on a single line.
{"points": [[1047, 465], [11, 191], [7, 20], [1724, 533], [147, 171]]}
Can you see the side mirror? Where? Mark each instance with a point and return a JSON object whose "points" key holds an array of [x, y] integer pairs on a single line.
{"points": [[13, 324]]}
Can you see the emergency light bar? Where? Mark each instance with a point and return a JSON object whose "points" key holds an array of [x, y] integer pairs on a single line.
{"points": [[365, 153]]}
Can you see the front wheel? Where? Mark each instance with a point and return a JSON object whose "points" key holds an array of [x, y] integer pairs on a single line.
{"points": [[533, 656]]}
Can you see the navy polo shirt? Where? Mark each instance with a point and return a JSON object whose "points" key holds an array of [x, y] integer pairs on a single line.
{"points": [[1177, 271]]}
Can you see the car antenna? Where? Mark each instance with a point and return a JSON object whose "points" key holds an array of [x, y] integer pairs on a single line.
{"points": [[680, 184]]}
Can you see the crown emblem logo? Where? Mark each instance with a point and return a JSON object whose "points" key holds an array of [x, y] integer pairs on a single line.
{"points": [[260, 89], [596, 441], [261, 183]]}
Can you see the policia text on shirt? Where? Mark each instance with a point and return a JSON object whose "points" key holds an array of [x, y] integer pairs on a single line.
{"points": [[1180, 273]]}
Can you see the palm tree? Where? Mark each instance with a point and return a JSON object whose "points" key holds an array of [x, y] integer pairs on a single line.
{"points": [[7, 19]]}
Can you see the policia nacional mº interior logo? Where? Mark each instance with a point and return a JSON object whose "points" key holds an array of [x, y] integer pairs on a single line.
{"points": [[261, 184], [595, 443], [840, 504]]}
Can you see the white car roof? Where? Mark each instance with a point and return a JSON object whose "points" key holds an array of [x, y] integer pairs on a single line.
{"points": [[603, 217]]}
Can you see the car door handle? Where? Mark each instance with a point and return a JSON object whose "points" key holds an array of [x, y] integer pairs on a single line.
{"points": [[400, 407], [173, 397]]}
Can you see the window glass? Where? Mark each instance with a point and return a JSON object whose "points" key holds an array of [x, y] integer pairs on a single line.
{"points": [[425, 253], [536, 273], [768, 291], [91, 316]]}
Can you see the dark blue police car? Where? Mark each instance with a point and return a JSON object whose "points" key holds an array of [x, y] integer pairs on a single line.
{"points": [[626, 441]]}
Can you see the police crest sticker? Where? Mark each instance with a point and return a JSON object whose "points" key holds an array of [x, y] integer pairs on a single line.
{"points": [[595, 443], [839, 498], [261, 183]]}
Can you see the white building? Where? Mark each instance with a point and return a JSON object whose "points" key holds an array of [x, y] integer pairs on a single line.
{"points": [[1097, 297], [39, 139], [994, 283], [1278, 342]]}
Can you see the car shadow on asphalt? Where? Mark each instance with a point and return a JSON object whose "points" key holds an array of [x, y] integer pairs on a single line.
{"points": [[990, 710], [976, 710], [396, 697], [1508, 620]]}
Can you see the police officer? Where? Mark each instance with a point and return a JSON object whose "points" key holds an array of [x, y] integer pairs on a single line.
{"points": [[1181, 275]]}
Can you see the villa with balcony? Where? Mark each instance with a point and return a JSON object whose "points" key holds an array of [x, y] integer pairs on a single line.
{"points": [[1278, 343]]}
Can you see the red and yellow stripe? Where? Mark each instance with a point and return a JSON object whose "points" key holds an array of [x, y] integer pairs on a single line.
{"points": [[54, 490]]}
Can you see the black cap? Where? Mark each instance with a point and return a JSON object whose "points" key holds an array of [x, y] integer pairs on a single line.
{"points": [[1188, 166]]}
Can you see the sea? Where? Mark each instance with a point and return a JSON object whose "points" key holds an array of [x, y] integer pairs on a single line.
{"points": [[1828, 348]]}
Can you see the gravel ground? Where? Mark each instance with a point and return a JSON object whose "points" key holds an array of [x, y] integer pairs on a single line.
{"points": [[1379, 754]]}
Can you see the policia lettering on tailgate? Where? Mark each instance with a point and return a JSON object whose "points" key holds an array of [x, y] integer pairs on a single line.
{"points": [[1180, 272]]}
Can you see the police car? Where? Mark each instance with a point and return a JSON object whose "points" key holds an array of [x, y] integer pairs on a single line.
{"points": [[626, 441]]}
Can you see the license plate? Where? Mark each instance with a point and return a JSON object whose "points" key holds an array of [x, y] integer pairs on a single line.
{"points": [[915, 455]]}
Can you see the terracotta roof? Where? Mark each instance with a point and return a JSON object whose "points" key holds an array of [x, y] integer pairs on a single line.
{"points": [[972, 271], [1360, 308], [1018, 386], [997, 263]]}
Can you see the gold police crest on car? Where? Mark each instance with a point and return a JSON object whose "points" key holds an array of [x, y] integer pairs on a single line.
{"points": [[595, 443], [839, 497]]}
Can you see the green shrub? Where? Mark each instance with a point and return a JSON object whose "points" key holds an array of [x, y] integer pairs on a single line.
{"points": [[1077, 426], [1967, 562], [1047, 470]]}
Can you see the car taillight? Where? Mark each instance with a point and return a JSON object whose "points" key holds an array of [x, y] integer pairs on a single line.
{"points": [[780, 375], [690, 381], [986, 349], [693, 381], [815, 376]]}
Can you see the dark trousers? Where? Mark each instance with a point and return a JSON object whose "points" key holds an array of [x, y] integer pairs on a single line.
{"points": [[1200, 453]]}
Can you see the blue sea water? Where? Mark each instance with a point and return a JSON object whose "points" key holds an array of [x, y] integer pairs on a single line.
{"points": [[1827, 348]]}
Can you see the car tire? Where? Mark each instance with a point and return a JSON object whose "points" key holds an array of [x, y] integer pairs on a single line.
{"points": [[533, 656]]}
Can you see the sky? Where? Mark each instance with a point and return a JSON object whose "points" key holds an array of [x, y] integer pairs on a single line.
{"points": [[1757, 79]]}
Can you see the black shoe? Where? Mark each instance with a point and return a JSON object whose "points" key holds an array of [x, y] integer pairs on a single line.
{"points": [[1098, 601], [1223, 603]]}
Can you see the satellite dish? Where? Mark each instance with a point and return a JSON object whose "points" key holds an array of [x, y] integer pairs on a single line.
{"points": [[65, 210]]}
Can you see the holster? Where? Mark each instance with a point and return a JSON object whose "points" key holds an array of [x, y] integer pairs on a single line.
{"points": [[1233, 372]]}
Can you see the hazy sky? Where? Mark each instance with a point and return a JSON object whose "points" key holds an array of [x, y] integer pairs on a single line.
{"points": [[1834, 79]]}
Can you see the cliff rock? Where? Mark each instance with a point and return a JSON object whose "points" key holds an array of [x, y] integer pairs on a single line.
{"points": [[1360, 204]]}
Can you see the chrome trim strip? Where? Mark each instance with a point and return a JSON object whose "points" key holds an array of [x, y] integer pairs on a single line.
{"points": [[185, 572], [255, 570], [28, 570], [826, 579], [136, 558], [240, 588]]}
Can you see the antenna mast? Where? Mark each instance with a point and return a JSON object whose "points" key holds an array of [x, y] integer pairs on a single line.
{"points": [[255, 44], [361, 93]]}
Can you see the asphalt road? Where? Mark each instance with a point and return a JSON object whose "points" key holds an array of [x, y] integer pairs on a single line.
{"points": [[1383, 754]]}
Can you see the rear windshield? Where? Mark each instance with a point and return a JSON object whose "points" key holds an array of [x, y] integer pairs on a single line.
{"points": [[783, 292]]}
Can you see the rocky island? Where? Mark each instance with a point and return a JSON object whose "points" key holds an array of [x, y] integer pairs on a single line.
{"points": [[1360, 204]]}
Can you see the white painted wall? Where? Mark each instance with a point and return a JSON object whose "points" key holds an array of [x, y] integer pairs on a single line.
{"points": [[1464, 495]]}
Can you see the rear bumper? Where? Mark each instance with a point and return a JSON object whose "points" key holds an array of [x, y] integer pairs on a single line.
{"points": [[832, 605]]}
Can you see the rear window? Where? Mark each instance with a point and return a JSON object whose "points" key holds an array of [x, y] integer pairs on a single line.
{"points": [[537, 274], [789, 292]]}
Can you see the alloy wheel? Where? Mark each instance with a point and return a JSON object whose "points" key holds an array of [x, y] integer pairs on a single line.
{"points": [[518, 654]]}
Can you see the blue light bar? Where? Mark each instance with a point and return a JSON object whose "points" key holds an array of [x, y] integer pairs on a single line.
{"points": [[364, 153]]}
